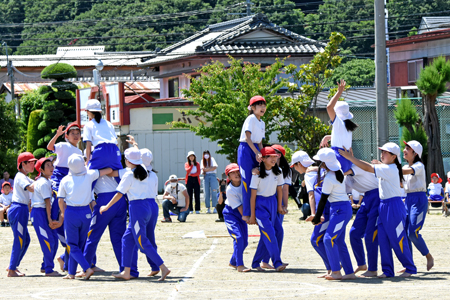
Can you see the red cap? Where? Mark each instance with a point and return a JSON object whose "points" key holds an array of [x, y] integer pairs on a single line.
{"points": [[255, 99], [71, 125], [279, 148], [25, 156], [6, 183], [40, 162], [231, 168], [436, 175], [269, 151]]}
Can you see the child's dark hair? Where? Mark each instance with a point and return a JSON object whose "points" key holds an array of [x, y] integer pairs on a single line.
{"points": [[339, 176], [284, 165], [263, 173], [319, 164], [140, 173], [400, 169], [350, 125], [417, 159], [97, 116], [254, 104]]}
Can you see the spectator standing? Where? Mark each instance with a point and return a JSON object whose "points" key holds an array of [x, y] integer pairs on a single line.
{"points": [[176, 200], [221, 197], [7, 178], [208, 167], [192, 168]]}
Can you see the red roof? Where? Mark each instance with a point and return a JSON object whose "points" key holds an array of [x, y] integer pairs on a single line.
{"points": [[424, 37], [139, 98]]}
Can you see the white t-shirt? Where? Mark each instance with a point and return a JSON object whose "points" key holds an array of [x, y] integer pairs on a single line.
{"points": [[77, 190], [340, 136], [334, 188], [266, 186], [416, 182], [234, 196], [180, 196], [447, 187], [63, 150], [213, 164], [435, 188], [20, 192], [256, 127], [193, 170], [42, 191], [99, 133], [134, 188], [288, 180], [361, 180], [105, 184], [310, 180], [389, 181], [153, 184], [6, 199]]}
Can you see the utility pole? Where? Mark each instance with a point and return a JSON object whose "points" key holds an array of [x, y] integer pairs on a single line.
{"points": [[381, 74], [9, 70], [249, 7]]}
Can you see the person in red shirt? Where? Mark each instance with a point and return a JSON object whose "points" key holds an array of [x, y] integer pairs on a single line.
{"points": [[192, 168]]}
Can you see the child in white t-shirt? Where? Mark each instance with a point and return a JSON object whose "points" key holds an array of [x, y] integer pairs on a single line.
{"points": [[5, 202], [435, 190]]}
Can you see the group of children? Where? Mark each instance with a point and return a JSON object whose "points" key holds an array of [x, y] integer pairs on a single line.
{"points": [[256, 194], [75, 198]]}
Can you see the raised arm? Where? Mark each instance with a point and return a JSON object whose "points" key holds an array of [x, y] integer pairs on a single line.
{"points": [[334, 100], [359, 163], [59, 132]]}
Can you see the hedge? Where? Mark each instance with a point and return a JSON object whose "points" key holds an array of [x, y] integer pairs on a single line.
{"points": [[33, 132], [59, 71]]}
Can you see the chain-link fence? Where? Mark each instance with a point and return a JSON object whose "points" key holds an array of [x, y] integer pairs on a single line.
{"points": [[365, 136]]}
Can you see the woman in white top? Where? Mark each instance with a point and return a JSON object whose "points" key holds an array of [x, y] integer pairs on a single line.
{"points": [[392, 212], [208, 166], [416, 198], [333, 190], [135, 184], [18, 213], [265, 202]]}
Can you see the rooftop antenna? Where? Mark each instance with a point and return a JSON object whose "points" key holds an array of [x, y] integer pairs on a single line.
{"points": [[248, 4]]}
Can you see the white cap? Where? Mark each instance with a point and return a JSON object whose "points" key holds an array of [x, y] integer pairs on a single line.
{"points": [[133, 155], [76, 165], [301, 157], [416, 146], [392, 148], [173, 177], [190, 153], [146, 156], [93, 105], [328, 156], [343, 111]]}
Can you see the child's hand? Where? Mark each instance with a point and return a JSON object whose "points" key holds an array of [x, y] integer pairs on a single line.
{"points": [[255, 171], [55, 224], [60, 130], [281, 210], [103, 209], [325, 140], [310, 218], [245, 218], [341, 86], [251, 221], [375, 162], [130, 139], [259, 157], [345, 153]]}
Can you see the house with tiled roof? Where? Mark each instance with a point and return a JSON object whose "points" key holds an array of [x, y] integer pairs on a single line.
{"points": [[253, 38]]}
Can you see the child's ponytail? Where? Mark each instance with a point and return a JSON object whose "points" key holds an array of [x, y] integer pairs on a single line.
{"points": [[262, 170], [400, 169], [350, 125], [140, 173], [97, 116]]}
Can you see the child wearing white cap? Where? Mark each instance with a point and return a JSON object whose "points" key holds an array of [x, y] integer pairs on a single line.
{"points": [[135, 184], [75, 201], [333, 190], [343, 126], [416, 198], [392, 211]]}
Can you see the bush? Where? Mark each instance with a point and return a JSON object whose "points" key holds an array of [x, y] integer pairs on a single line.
{"points": [[53, 115], [44, 89], [63, 95], [48, 137], [40, 152], [59, 71], [41, 142], [64, 86], [33, 132]]}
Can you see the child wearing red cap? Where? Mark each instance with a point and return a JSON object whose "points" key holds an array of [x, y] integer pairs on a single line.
{"points": [[232, 214], [18, 213], [248, 157], [265, 202], [63, 150], [41, 214], [435, 191], [5, 201]]}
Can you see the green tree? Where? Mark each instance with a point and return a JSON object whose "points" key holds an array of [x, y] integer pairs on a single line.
{"points": [[8, 136], [222, 95], [356, 72], [432, 83]]}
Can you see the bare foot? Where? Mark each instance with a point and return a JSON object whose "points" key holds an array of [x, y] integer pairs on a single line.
{"points": [[361, 268], [259, 269], [17, 271], [334, 276], [164, 272], [42, 270], [14, 273], [122, 275], [152, 273], [349, 277], [61, 263], [53, 274], [282, 267], [405, 274], [382, 276], [324, 275], [402, 271], [232, 266], [68, 276], [97, 269], [369, 274], [430, 262], [88, 273], [80, 274], [243, 269], [266, 266]]}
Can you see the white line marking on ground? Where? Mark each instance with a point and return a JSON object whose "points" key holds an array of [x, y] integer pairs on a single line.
{"points": [[194, 268]]}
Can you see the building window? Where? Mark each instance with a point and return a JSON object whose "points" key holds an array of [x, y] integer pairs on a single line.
{"points": [[173, 88], [414, 68]]}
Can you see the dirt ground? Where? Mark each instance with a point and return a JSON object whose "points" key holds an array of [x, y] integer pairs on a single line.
{"points": [[200, 268]]}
